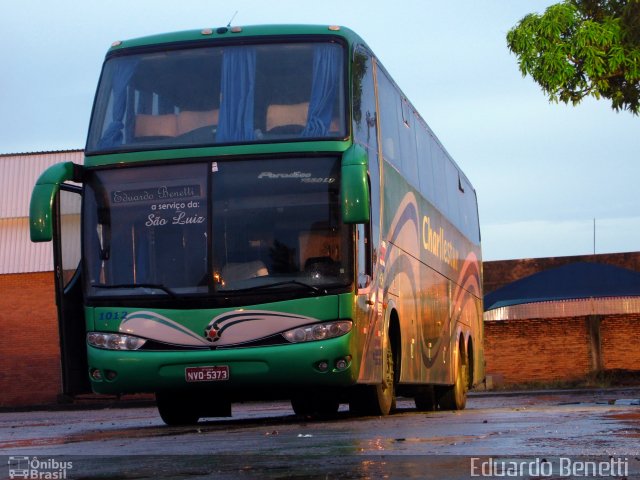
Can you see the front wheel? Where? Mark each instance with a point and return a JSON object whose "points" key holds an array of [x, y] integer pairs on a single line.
{"points": [[187, 407], [454, 397], [174, 410], [377, 399], [315, 405]]}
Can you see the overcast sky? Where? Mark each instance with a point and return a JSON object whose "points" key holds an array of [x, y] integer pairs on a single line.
{"points": [[542, 171]]}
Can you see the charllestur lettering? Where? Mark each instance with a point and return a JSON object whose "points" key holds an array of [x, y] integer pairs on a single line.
{"points": [[435, 242]]}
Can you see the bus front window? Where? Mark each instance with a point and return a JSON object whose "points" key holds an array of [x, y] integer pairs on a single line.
{"points": [[205, 228], [277, 223], [219, 95], [146, 230]]}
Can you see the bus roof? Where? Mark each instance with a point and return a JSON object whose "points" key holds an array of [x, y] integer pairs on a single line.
{"points": [[228, 33]]}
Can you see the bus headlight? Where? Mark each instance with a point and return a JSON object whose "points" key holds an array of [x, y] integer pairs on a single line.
{"points": [[319, 331], [114, 341]]}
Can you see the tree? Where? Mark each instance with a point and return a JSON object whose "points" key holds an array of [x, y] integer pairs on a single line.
{"points": [[581, 48]]}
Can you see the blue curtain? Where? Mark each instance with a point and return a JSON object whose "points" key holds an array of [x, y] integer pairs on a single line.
{"points": [[324, 87], [237, 95], [123, 71]]}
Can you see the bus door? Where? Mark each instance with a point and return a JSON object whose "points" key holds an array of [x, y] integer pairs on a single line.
{"points": [[68, 287]]}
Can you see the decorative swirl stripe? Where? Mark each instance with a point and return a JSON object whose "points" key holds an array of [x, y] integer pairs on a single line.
{"points": [[255, 324], [154, 326]]}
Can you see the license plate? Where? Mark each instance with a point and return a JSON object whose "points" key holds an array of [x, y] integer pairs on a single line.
{"points": [[207, 374]]}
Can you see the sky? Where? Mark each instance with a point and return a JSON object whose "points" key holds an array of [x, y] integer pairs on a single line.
{"points": [[551, 179]]}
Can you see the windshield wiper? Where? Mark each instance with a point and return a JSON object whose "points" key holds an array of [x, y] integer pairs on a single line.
{"points": [[156, 286], [308, 286]]}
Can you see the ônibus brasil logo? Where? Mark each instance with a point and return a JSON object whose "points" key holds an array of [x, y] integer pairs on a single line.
{"points": [[35, 468]]}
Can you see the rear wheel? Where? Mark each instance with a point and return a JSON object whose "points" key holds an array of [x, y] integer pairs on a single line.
{"points": [[425, 399]]}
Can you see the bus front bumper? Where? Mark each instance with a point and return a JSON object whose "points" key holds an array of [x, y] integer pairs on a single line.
{"points": [[325, 363]]}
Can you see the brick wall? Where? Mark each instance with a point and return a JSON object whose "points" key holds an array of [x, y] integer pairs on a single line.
{"points": [[29, 346], [559, 349], [537, 349], [620, 339]]}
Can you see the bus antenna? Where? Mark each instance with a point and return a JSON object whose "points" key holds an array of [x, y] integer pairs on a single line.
{"points": [[234, 16]]}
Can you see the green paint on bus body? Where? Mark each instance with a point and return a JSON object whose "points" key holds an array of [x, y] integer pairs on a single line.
{"points": [[294, 365], [231, 34], [423, 278], [42, 198], [222, 152], [285, 364]]}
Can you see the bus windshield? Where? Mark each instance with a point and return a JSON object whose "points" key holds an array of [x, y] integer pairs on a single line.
{"points": [[237, 226], [205, 95]]}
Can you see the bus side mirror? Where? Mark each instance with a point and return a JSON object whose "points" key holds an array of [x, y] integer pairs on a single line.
{"points": [[43, 196], [354, 189]]}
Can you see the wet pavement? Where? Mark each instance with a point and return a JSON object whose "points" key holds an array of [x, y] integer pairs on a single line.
{"points": [[265, 440]]}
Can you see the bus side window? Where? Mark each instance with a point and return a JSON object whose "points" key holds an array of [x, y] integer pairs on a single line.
{"points": [[452, 179], [439, 159], [425, 163], [390, 116], [408, 142]]}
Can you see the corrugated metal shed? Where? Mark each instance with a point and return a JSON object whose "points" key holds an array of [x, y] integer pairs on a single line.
{"points": [[580, 307], [18, 174], [572, 281], [572, 290]]}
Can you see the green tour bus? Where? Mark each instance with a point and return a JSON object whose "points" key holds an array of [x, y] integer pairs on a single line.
{"points": [[262, 214]]}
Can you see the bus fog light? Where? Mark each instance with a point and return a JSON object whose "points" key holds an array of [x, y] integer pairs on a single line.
{"points": [[318, 331], [96, 374], [110, 374], [343, 363], [323, 366]]}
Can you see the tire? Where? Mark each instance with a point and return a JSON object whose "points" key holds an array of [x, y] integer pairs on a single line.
{"points": [[315, 405], [379, 400], [425, 398], [454, 397], [175, 410]]}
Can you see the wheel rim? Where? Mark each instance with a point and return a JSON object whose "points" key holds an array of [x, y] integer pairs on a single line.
{"points": [[461, 386]]}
